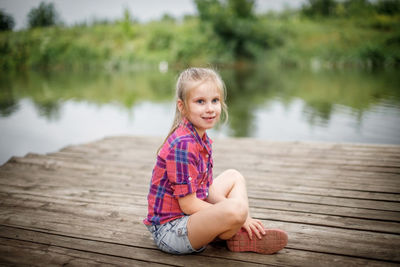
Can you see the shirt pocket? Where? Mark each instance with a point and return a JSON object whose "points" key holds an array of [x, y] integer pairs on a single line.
{"points": [[203, 172]]}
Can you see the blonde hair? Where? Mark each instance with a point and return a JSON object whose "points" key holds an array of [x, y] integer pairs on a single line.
{"points": [[189, 79]]}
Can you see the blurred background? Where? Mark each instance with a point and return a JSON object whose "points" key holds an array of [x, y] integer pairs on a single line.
{"points": [[300, 70]]}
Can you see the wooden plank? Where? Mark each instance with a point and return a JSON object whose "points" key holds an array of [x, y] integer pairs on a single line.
{"points": [[260, 213], [304, 237], [358, 176], [327, 210], [124, 184], [117, 250], [262, 194], [287, 258], [127, 197], [276, 156], [336, 183], [7, 170], [380, 165], [115, 207], [24, 253], [326, 220]]}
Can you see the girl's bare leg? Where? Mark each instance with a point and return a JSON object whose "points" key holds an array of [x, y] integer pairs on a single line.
{"points": [[225, 218], [229, 184]]}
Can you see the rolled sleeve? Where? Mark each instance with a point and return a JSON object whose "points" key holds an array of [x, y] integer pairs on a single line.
{"points": [[182, 170]]}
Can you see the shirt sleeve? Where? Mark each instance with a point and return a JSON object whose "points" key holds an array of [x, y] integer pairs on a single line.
{"points": [[182, 169]]}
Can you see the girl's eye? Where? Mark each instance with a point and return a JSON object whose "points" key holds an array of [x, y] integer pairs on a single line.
{"points": [[200, 101], [215, 100]]}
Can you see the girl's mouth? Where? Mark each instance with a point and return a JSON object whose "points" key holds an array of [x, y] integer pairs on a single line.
{"points": [[209, 119]]}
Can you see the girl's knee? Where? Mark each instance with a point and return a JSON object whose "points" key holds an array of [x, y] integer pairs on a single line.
{"points": [[236, 212], [235, 174]]}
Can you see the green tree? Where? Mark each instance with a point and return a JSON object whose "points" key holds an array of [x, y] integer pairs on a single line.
{"points": [[127, 23], [234, 22], [323, 8], [43, 16], [357, 7], [6, 21], [389, 7]]}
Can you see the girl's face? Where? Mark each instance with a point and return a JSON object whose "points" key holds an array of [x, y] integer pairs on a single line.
{"points": [[203, 107]]}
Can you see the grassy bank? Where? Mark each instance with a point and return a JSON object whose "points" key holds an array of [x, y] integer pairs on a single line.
{"points": [[372, 42], [293, 40]]}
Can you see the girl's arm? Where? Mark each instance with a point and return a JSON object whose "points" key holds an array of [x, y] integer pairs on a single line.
{"points": [[191, 204]]}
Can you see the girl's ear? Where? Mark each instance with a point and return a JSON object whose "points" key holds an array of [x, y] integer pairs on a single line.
{"points": [[181, 106]]}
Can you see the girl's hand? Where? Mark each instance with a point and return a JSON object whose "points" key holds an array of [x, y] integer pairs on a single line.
{"points": [[254, 226]]}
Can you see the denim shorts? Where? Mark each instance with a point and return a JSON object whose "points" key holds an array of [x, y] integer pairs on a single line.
{"points": [[172, 236]]}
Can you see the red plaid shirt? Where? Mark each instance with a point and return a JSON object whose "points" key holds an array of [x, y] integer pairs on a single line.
{"points": [[184, 166]]}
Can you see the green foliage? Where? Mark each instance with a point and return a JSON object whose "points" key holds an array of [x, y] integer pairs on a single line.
{"points": [[319, 44], [389, 7], [6, 21], [234, 22], [160, 38], [323, 8], [353, 8], [43, 16], [126, 23], [225, 33], [350, 8], [374, 55]]}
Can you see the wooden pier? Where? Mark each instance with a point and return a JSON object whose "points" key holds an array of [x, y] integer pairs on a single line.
{"points": [[84, 205]]}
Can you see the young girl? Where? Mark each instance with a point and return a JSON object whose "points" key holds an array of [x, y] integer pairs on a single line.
{"points": [[187, 208]]}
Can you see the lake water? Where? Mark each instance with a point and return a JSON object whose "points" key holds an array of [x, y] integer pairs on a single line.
{"points": [[43, 112]]}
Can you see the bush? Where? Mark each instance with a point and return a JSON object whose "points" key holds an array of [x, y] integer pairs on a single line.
{"points": [[6, 21], [358, 8], [324, 8], [235, 24], [389, 7], [43, 16]]}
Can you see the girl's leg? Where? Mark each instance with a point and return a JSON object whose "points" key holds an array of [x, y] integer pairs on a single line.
{"points": [[226, 217], [229, 184]]}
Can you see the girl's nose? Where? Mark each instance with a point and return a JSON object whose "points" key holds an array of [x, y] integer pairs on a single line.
{"points": [[209, 107]]}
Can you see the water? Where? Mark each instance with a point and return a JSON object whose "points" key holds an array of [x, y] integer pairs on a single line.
{"points": [[43, 112]]}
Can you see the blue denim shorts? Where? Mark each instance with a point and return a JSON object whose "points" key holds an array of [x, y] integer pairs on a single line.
{"points": [[172, 237]]}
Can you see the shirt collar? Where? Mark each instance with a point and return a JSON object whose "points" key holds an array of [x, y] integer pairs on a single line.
{"points": [[202, 142]]}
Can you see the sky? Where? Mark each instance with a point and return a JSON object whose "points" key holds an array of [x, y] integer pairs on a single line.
{"points": [[76, 11]]}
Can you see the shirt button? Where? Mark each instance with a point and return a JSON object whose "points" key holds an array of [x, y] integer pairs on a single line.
{"points": [[190, 178], [207, 156]]}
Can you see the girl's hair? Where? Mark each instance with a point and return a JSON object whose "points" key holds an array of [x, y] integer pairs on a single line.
{"points": [[189, 79]]}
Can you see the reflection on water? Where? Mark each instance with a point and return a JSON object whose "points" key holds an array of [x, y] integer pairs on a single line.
{"points": [[42, 112]]}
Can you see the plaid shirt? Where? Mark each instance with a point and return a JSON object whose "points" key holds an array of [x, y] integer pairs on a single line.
{"points": [[184, 166]]}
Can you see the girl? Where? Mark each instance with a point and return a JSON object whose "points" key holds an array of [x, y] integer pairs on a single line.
{"points": [[187, 209]]}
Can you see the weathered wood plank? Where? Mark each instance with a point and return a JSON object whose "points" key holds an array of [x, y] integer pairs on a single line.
{"points": [[288, 157], [15, 252], [78, 205], [93, 184], [287, 258], [356, 178], [138, 197], [113, 221], [365, 166], [276, 184], [337, 182]]}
